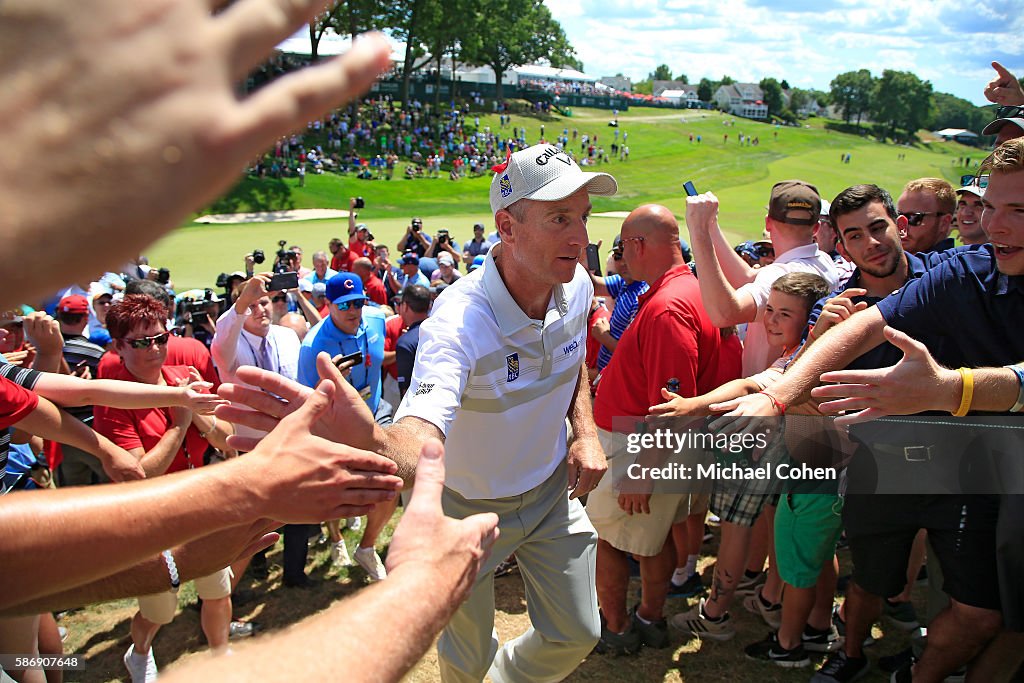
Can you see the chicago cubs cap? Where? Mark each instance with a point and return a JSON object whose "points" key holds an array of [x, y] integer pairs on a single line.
{"points": [[544, 173], [345, 287]]}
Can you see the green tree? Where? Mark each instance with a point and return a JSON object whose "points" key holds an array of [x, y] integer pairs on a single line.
{"points": [[900, 101], [683, 78], [798, 99], [662, 73], [950, 111], [785, 84], [851, 92], [644, 87], [442, 24], [705, 90], [510, 32], [726, 80], [772, 92]]}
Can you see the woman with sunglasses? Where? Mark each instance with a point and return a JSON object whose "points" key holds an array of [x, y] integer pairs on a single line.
{"points": [[164, 440]]}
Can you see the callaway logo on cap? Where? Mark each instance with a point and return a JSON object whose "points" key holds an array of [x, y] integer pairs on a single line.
{"points": [[544, 173]]}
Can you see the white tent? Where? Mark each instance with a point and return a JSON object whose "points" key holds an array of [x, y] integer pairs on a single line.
{"points": [[331, 44]]}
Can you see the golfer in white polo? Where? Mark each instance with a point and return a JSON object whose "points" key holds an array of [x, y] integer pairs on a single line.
{"points": [[498, 370]]}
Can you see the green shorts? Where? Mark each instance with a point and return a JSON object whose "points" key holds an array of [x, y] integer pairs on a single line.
{"points": [[807, 526]]}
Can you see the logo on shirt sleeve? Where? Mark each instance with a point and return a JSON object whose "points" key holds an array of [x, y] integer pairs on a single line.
{"points": [[512, 364], [424, 388]]}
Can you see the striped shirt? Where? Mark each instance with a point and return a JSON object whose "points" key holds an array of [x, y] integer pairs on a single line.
{"points": [[626, 303], [79, 350], [25, 378], [498, 384]]}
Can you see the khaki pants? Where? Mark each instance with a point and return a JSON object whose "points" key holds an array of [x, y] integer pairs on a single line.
{"points": [[556, 548]]}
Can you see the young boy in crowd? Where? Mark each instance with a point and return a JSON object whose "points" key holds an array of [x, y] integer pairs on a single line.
{"points": [[789, 305]]}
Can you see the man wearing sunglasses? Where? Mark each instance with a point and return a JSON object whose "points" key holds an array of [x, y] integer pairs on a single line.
{"points": [[353, 327], [928, 204]]}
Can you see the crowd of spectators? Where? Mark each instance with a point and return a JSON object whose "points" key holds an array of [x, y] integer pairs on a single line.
{"points": [[272, 403]]}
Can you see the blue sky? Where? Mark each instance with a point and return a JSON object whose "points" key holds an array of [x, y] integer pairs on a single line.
{"points": [[807, 42]]}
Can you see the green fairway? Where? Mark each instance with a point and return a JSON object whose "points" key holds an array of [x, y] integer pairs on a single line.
{"points": [[661, 159]]}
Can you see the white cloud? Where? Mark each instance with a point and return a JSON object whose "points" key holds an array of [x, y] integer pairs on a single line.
{"points": [[806, 42]]}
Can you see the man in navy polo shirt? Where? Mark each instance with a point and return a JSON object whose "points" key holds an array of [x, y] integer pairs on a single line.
{"points": [[928, 204], [354, 327], [982, 290]]}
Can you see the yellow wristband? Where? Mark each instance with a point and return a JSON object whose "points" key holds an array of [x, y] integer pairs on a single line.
{"points": [[968, 393]]}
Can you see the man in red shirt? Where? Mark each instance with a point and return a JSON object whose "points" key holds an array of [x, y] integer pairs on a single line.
{"points": [[598, 311], [164, 440], [671, 338], [373, 285]]}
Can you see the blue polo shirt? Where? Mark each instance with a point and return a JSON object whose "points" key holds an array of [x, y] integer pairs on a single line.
{"points": [[369, 339], [966, 311], [884, 354], [626, 304]]}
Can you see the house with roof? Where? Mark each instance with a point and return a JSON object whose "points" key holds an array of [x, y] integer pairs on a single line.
{"points": [[742, 99]]}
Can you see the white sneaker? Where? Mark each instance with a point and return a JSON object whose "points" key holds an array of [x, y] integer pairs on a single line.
{"points": [[142, 669], [354, 523], [369, 560], [339, 554]]}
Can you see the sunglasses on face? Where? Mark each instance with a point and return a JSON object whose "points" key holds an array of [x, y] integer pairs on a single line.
{"points": [[765, 251], [146, 342], [1009, 112], [617, 255], [345, 305], [916, 218], [981, 181]]}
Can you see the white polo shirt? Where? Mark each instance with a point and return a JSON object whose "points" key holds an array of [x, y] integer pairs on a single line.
{"points": [[758, 354], [496, 383]]}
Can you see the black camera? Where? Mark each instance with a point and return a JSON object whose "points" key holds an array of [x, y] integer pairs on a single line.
{"points": [[360, 204], [258, 256], [284, 258], [442, 237], [163, 276], [222, 281]]}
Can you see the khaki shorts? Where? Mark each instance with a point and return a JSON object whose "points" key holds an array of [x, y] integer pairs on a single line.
{"points": [[160, 608], [642, 535]]}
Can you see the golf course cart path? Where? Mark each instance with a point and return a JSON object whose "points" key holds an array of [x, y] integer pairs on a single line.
{"points": [[273, 216]]}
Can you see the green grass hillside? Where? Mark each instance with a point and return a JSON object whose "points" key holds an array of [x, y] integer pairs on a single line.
{"points": [[661, 159]]}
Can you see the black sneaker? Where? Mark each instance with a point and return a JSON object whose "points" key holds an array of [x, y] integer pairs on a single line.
{"points": [[689, 588], [892, 663], [769, 650], [506, 566], [839, 668], [814, 640], [618, 644], [840, 625], [904, 674], [654, 634]]}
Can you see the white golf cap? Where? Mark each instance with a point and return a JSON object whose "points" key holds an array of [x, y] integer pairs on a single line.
{"points": [[544, 173], [973, 189]]}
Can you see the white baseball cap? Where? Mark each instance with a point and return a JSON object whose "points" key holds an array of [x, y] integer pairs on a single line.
{"points": [[973, 189], [544, 173]]}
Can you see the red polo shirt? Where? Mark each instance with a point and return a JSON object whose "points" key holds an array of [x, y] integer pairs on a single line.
{"points": [[375, 290], [143, 427], [16, 403], [393, 328], [671, 336]]}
